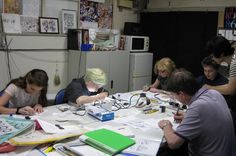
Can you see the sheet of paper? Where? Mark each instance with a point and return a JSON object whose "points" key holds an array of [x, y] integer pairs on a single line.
{"points": [[154, 122], [88, 150], [134, 122], [144, 147], [56, 128]]}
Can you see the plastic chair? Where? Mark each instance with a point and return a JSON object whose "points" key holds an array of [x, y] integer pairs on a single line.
{"points": [[1, 92], [59, 99]]}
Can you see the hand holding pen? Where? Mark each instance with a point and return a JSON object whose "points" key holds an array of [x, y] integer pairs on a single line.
{"points": [[178, 116]]}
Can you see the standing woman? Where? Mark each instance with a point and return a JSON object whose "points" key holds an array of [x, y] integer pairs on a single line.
{"points": [[222, 51], [26, 95]]}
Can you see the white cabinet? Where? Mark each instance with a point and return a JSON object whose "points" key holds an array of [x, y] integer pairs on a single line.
{"points": [[114, 63]]}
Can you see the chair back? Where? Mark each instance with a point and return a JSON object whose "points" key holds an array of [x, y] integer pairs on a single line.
{"points": [[1, 92], [60, 97]]}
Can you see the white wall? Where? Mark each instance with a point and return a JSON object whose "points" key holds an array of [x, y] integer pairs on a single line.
{"points": [[155, 5], [122, 15], [23, 60]]}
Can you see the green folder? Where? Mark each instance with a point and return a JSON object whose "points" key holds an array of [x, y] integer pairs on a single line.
{"points": [[107, 141]]}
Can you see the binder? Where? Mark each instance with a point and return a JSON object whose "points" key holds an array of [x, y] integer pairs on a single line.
{"points": [[107, 141]]}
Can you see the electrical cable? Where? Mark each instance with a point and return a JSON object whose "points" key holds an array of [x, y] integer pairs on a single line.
{"points": [[7, 54]]}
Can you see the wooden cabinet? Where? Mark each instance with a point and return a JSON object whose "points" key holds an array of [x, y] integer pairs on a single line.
{"points": [[114, 63]]}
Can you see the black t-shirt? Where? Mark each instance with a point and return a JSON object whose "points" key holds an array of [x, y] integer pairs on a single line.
{"points": [[219, 80], [77, 88], [163, 82]]}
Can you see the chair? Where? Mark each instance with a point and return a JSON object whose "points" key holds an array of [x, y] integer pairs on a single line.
{"points": [[7, 104], [59, 99]]}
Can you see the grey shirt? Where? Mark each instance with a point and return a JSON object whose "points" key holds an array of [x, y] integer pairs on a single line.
{"points": [[208, 125], [20, 98]]}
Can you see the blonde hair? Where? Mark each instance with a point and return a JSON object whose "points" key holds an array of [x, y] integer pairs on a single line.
{"points": [[164, 64], [96, 75]]}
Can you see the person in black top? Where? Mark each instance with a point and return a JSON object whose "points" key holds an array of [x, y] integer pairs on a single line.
{"points": [[88, 88], [211, 75]]}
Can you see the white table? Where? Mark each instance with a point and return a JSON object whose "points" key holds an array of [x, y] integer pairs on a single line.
{"points": [[54, 115]]}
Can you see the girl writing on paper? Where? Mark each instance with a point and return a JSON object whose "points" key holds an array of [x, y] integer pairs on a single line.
{"points": [[26, 95]]}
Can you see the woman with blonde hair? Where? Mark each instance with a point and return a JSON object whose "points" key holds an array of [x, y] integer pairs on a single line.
{"points": [[163, 68], [87, 88]]}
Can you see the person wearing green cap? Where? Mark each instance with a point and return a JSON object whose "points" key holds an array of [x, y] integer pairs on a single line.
{"points": [[88, 88]]}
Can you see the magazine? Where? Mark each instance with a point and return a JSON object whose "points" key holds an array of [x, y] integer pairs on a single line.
{"points": [[10, 127]]}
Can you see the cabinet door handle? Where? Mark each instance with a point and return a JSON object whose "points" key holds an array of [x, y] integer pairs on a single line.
{"points": [[111, 84]]}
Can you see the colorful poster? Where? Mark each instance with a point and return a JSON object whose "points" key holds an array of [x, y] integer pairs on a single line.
{"points": [[230, 18], [94, 14], [12, 6], [105, 16]]}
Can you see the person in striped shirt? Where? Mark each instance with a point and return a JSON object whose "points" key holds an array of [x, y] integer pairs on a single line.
{"points": [[222, 51]]}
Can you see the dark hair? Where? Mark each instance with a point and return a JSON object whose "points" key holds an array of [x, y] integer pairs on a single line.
{"points": [[208, 61], [37, 77], [218, 46], [182, 80]]}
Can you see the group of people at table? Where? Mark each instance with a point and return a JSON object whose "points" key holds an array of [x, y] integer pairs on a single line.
{"points": [[207, 127]]}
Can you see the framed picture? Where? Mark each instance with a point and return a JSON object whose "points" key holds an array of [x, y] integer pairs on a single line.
{"points": [[48, 25], [69, 20]]}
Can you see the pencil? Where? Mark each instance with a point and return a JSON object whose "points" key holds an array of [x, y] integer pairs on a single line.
{"points": [[177, 112]]}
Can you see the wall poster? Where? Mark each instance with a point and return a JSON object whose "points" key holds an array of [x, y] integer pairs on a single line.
{"points": [[69, 20], [230, 18], [29, 24], [12, 6], [95, 15], [11, 23]]}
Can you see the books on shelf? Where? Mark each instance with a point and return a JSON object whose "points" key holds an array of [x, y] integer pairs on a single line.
{"points": [[11, 127], [108, 141]]}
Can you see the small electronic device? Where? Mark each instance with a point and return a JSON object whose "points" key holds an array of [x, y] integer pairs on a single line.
{"points": [[100, 113], [136, 43]]}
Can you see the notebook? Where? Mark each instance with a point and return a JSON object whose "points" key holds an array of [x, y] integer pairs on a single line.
{"points": [[108, 141], [11, 127]]}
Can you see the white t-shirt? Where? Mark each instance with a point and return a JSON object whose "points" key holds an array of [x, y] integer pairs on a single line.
{"points": [[20, 98], [232, 71]]}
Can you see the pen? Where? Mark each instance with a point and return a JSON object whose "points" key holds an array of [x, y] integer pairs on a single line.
{"points": [[177, 112]]}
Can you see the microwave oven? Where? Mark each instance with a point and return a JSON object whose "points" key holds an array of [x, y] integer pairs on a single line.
{"points": [[136, 43]]}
